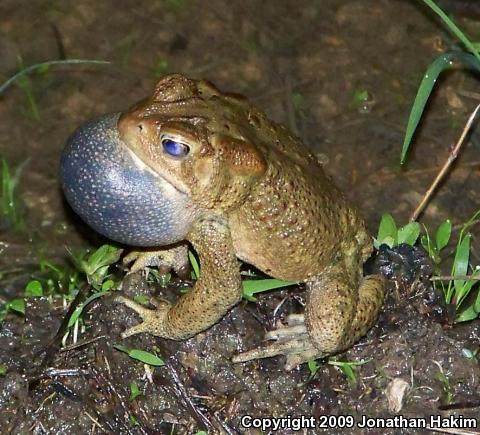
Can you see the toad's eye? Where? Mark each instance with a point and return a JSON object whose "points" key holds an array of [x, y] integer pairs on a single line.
{"points": [[174, 148]]}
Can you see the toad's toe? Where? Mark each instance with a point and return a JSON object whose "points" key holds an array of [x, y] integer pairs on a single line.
{"points": [[153, 321], [291, 340]]}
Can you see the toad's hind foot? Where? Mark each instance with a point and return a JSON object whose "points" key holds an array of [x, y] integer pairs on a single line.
{"points": [[337, 315], [291, 340]]}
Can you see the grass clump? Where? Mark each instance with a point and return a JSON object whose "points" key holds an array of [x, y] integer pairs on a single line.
{"points": [[10, 215], [388, 233], [459, 288], [92, 270]]}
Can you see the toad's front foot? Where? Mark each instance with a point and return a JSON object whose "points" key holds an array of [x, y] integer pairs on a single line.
{"points": [[174, 258], [291, 340], [154, 320]]}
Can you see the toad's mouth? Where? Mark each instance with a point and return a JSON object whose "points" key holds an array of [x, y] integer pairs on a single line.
{"points": [[116, 193], [165, 176]]}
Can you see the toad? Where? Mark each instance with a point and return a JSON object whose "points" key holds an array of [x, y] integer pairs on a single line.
{"points": [[193, 164]]}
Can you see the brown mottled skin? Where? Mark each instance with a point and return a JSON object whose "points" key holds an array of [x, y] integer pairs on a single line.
{"points": [[259, 196]]}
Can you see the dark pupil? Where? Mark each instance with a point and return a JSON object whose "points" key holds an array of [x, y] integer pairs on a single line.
{"points": [[174, 148]]}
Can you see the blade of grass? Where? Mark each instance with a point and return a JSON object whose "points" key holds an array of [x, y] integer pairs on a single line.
{"points": [[6, 187], [8, 200], [439, 65], [464, 291], [78, 310], [409, 233], [454, 28], [25, 85], [41, 65], [194, 264], [425, 89], [460, 263], [141, 355], [442, 236], [387, 228], [468, 314], [252, 286], [471, 312]]}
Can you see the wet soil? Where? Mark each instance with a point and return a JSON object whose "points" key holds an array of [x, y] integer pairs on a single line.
{"points": [[303, 62]]}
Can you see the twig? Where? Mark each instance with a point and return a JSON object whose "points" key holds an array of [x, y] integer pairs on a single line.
{"points": [[451, 158], [469, 94], [182, 393], [292, 118], [460, 226], [95, 422], [453, 431], [455, 278], [415, 172], [82, 343]]}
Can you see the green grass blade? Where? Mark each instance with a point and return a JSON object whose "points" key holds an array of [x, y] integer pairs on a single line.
{"points": [[78, 311], [466, 288], [409, 233], [467, 60], [460, 264], [252, 286], [141, 355], [8, 201], [453, 28], [134, 391], [34, 289], [5, 188], [26, 86], [103, 256], [468, 314], [476, 305], [425, 89], [387, 231], [194, 264], [17, 305], [442, 236], [440, 64], [43, 65], [461, 295]]}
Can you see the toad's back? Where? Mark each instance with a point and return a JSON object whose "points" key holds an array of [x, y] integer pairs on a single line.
{"points": [[295, 220]]}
